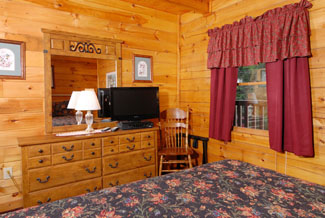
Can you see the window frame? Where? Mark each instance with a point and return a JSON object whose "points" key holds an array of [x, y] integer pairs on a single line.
{"points": [[246, 130]]}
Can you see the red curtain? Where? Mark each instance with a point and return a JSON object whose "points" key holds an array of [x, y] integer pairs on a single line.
{"points": [[222, 104], [278, 38], [289, 106], [276, 35]]}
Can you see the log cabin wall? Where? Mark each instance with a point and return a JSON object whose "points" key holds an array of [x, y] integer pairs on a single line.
{"points": [[144, 31], [72, 74], [195, 88]]}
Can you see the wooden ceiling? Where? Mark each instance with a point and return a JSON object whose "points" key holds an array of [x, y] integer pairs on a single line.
{"points": [[174, 6]]}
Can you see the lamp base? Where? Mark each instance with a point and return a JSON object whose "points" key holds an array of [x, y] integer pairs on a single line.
{"points": [[79, 115], [89, 121]]}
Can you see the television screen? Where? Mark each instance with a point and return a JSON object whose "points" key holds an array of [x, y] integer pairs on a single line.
{"points": [[134, 103]]}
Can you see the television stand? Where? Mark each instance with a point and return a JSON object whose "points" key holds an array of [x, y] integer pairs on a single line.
{"points": [[134, 124]]}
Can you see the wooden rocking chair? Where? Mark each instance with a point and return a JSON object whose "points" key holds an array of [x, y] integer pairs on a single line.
{"points": [[175, 150]]}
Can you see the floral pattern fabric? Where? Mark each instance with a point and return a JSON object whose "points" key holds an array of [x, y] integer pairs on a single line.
{"points": [[278, 34], [227, 188]]}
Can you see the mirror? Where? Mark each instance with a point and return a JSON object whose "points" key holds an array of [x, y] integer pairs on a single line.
{"points": [[74, 62], [76, 74]]}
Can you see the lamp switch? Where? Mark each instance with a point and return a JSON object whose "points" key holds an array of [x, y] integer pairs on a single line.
{"points": [[7, 171]]}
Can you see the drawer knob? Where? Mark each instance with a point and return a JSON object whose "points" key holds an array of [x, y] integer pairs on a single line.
{"points": [[91, 171], [88, 190], [93, 153], [45, 181], [111, 141], [148, 136], [40, 202], [131, 148], [130, 140], [68, 149], [40, 151], [93, 144], [148, 176], [147, 159], [116, 165], [112, 150], [68, 159], [40, 161], [149, 143], [112, 185]]}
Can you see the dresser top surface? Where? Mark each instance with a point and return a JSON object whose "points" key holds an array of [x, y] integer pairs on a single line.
{"points": [[52, 138]]}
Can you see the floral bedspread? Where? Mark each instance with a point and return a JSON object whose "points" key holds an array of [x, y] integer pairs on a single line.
{"points": [[226, 188]]}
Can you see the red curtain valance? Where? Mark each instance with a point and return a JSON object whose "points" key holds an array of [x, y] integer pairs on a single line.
{"points": [[276, 35]]}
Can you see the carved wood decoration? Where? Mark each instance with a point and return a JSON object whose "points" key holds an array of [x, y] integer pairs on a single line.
{"points": [[85, 47], [75, 45]]}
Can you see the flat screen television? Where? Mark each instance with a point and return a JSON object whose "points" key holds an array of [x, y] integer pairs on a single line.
{"points": [[134, 103]]}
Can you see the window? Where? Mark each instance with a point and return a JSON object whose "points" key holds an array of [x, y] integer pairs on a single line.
{"points": [[251, 101]]}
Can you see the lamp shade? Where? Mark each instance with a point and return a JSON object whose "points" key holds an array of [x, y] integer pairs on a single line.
{"points": [[87, 101], [73, 100]]}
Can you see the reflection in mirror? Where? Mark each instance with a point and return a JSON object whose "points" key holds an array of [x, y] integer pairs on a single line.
{"points": [[75, 74]]}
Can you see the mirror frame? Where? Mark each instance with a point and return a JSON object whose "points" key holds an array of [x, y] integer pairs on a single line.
{"points": [[76, 45]]}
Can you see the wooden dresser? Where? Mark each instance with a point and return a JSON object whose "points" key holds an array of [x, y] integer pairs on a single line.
{"points": [[59, 167]]}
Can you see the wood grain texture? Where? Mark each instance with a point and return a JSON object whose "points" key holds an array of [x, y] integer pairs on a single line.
{"points": [[174, 6], [144, 31], [195, 82]]}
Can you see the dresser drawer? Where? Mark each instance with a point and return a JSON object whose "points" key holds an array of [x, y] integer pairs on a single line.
{"points": [[110, 150], [125, 161], [130, 147], [120, 178], [124, 139], [37, 162], [66, 147], [65, 191], [39, 150], [113, 140], [91, 143], [92, 153], [64, 173], [147, 172], [67, 157], [147, 136], [147, 144]]}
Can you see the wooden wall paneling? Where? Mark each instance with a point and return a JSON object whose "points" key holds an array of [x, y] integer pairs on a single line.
{"points": [[74, 74], [194, 75], [26, 99], [103, 67]]}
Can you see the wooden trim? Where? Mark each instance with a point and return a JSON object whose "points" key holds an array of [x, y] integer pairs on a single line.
{"points": [[80, 35], [48, 52], [251, 131], [178, 86], [22, 59], [61, 95], [251, 83], [151, 70], [52, 138]]}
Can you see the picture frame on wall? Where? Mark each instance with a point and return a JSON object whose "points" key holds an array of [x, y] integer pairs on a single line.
{"points": [[111, 79], [142, 66], [12, 59]]}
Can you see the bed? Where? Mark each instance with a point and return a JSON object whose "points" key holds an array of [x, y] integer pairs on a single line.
{"points": [[227, 188]]}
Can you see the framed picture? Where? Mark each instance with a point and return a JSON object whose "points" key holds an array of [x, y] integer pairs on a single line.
{"points": [[12, 59], [142, 65], [111, 79]]}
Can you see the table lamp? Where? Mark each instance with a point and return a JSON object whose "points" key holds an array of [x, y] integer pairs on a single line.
{"points": [[72, 105], [88, 101]]}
